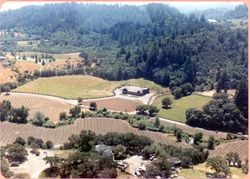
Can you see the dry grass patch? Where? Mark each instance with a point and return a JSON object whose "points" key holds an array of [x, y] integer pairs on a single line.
{"points": [[82, 86], [7, 75], [64, 63], [26, 66]]}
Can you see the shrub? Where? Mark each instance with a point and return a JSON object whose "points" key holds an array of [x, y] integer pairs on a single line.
{"points": [[30, 140], [38, 119], [186, 162], [152, 128], [142, 125], [177, 93], [211, 142], [40, 143], [93, 106], [63, 116], [166, 102], [20, 140], [198, 138], [49, 144], [75, 111]]}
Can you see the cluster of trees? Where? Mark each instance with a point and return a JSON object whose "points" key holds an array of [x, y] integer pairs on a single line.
{"points": [[85, 162], [86, 140], [81, 165], [124, 144], [221, 113], [5, 170], [144, 109], [221, 165], [163, 153], [36, 143], [11, 114], [39, 119]]}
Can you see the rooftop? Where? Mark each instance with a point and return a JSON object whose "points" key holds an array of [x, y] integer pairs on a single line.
{"points": [[134, 88]]}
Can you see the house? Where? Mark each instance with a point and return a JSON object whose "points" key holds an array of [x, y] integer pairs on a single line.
{"points": [[104, 150], [2, 58], [137, 91]]}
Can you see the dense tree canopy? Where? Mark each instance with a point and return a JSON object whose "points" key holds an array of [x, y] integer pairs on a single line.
{"points": [[219, 114], [153, 41]]}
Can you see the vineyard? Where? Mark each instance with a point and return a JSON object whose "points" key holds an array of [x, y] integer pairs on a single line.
{"points": [[115, 104], [50, 107], [239, 146], [9, 131], [192, 130]]}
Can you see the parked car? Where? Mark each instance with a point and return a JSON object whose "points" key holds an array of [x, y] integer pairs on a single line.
{"points": [[138, 173]]}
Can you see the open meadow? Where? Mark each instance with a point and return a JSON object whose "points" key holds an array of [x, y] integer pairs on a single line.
{"points": [[81, 86], [199, 172], [178, 108]]}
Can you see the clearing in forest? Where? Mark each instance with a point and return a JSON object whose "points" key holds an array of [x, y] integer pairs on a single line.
{"points": [[178, 108]]}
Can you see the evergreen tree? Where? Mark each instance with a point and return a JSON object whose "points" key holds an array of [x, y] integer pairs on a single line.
{"points": [[241, 98]]}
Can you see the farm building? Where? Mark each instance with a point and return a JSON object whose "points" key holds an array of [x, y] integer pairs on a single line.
{"points": [[133, 90]]}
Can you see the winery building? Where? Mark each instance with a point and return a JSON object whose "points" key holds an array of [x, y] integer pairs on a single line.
{"points": [[137, 91]]}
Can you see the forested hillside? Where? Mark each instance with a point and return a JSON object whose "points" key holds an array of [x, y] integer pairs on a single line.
{"points": [[153, 41], [220, 13]]}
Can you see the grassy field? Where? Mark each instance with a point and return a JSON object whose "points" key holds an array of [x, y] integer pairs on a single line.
{"points": [[179, 106], [81, 86], [192, 174], [199, 172]]}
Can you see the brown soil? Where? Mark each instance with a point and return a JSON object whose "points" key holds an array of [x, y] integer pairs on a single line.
{"points": [[115, 104]]}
